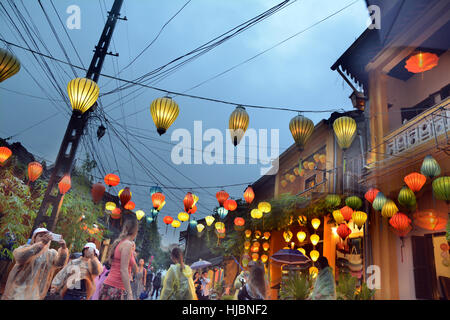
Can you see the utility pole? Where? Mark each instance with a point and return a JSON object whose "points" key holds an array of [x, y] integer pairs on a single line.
{"points": [[53, 199]]}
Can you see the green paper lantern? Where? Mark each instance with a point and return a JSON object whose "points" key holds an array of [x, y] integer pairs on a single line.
{"points": [[379, 201], [406, 197], [441, 188], [333, 200], [430, 167], [353, 202]]}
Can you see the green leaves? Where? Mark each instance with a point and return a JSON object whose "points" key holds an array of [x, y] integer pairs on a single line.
{"points": [[296, 287]]}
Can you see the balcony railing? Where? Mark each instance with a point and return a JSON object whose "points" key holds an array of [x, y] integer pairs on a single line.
{"points": [[431, 124]]}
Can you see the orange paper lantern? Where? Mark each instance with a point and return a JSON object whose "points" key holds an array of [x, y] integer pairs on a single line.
{"points": [[421, 62], [130, 205], [415, 181], [112, 180], [430, 219], [5, 153], [65, 184], [157, 199], [115, 214], [371, 194], [193, 210], [249, 194], [347, 213], [400, 221], [239, 222], [167, 220], [221, 197], [34, 171], [230, 205], [188, 201]]}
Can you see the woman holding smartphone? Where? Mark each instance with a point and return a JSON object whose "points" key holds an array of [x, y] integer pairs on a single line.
{"points": [[117, 285]]}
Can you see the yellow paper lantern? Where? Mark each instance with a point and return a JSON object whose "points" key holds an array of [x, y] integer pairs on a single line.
{"points": [[302, 221], [9, 65], [264, 258], [389, 209], [313, 272], [110, 206], [183, 216], [164, 112], [266, 235], [176, 224], [255, 257], [345, 131], [161, 205], [200, 227], [256, 214], [338, 217], [248, 233], [266, 246], [209, 220], [219, 226], [301, 236], [238, 124], [195, 199], [283, 183], [301, 129], [287, 235], [314, 239], [83, 93], [264, 207], [302, 251], [359, 218], [311, 165], [257, 234], [247, 245], [140, 214], [315, 223], [322, 158], [314, 254]]}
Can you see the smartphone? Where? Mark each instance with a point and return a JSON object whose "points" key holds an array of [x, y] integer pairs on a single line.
{"points": [[56, 237]]}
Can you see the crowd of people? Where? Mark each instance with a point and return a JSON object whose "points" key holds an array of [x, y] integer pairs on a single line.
{"points": [[41, 272]]}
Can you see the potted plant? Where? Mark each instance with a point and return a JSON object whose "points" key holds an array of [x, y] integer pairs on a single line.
{"points": [[296, 287]]}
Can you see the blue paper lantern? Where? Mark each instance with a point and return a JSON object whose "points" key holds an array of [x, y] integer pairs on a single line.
{"points": [[222, 212], [155, 189]]}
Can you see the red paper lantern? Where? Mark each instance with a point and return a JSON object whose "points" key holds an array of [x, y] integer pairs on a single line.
{"points": [[347, 213], [97, 191], [5, 153], [168, 220], [371, 194], [343, 231], [422, 61], [125, 196], [239, 222], [400, 221], [192, 210], [415, 181], [188, 202], [34, 171], [115, 214], [130, 205], [221, 197], [157, 199], [112, 180], [249, 194], [64, 185], [230, 205]]}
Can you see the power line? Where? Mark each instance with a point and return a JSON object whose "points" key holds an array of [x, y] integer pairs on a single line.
{"points": [[170, 92]]}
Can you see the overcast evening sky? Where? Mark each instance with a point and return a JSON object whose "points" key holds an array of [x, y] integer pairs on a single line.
{"points": [[295, 74]]}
